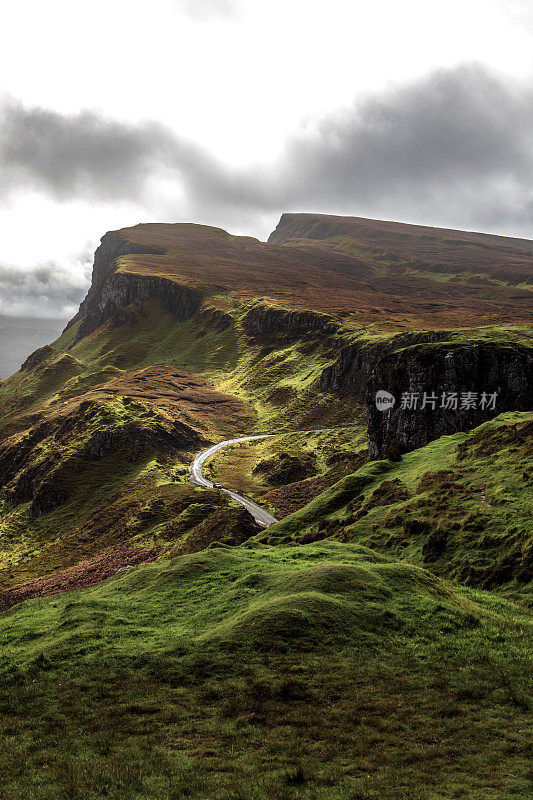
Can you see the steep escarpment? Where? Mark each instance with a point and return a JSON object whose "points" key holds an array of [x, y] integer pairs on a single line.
{"points": [[352, 370], [267, 321], [180, 596], [437, 364], [442, 389], [189, 334], [112, 293], [123, 295]]}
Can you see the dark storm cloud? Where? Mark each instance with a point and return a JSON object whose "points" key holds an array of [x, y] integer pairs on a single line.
{"points": [[47, 291], [457, 140], [455, 148]]}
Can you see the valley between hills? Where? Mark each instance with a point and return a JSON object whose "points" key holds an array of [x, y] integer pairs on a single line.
{"points": [[157, 641]]}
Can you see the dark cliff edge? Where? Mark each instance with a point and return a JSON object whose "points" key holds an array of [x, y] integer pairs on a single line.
{"points": [[265, 321], [111, 292], [414, 364], [354, 366], [431, 362], [498, 378]]}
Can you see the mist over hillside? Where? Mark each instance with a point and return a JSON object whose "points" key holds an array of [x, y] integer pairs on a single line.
{"points": [[20, 336]]}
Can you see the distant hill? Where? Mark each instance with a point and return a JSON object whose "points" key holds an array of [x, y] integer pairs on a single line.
{"points": [[413, 276]]}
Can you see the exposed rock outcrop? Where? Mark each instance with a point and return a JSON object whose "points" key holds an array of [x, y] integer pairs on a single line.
{"points": [[354, 366], [481, 369], [409, 363], [112, 293], [123, 290], [111, 247], [265, 321]]}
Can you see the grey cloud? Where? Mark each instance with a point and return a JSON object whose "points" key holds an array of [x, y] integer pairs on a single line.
{"points": [[452, 149], [89, 156], [48, 291], [82, 155], [458, 143]]}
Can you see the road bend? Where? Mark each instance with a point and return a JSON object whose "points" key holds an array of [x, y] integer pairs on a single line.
{"points": [[259, 514]]}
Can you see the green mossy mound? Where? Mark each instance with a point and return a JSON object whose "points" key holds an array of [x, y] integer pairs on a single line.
{"points": [[460, 505], [313, 597]]}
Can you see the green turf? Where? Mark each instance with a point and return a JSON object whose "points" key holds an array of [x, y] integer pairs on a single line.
{"points": [[460, 505], [319, 671]]}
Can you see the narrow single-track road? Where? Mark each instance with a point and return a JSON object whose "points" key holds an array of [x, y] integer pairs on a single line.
{"points": [[259, 514]]}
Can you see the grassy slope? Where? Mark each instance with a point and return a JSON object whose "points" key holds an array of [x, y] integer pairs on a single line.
{"points": [[323, 671], [225, 359], [461, 505], [212, 381]]}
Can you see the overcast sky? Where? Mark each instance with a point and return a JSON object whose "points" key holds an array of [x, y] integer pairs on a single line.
{"points": [[229, 112]]}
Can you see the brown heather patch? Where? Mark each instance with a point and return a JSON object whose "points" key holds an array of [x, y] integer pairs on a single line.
{"points": [[177, 390], [486, 443], [86, 573], [294, 496]]}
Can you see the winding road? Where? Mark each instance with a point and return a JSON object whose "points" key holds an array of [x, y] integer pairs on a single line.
{"points": [[259, 514]]}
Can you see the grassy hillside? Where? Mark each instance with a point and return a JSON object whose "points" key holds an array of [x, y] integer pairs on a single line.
{"points": [[90, 429], [155, 642], [324, 671], [460, 506]]}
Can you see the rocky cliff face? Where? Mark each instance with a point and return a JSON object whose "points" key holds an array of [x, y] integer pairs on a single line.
{"points": [[264, 321], [354, 366], [499, 374], [111, 293], [412, 364]]}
